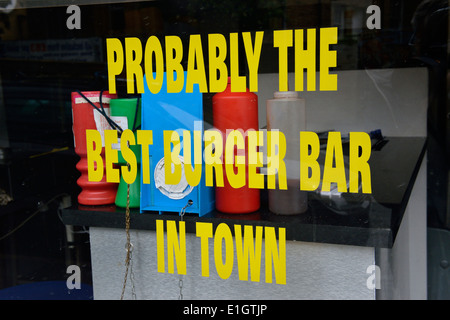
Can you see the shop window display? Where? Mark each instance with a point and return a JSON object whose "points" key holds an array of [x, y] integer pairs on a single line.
{"points": [[275, 129]]}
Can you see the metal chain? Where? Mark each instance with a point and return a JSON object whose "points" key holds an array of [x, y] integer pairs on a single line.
{"points": [[129, 249], [133, 288], [129, 245], [180, 281], [180, 285]]}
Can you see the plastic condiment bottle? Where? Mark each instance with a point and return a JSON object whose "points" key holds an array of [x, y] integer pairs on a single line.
{"points": [[236, 110], [287, 113], [86, 117]]}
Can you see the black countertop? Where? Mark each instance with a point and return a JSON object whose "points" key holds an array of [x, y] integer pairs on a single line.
{"points": [[370, 220]]}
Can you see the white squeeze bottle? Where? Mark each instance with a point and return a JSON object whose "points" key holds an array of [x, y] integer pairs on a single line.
{"points": [[287, 113]]}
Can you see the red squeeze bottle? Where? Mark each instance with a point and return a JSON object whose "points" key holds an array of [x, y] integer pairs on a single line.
{"points": [[231, 111], [84, 117]]}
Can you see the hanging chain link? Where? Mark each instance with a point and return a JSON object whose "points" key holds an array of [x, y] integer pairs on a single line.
{"points": [[129, 245], [180, 285], [133, 287], [129, 249], [180, 281]]}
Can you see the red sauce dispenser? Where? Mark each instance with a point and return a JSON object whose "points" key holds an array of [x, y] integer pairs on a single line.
{"points": [[86, 117], [231, 111]]}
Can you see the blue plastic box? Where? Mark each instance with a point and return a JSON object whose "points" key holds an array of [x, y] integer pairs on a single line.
{"points": [[173, 111]]}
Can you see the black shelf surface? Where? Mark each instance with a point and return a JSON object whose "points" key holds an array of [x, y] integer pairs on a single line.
{"points": [[371, 221]]}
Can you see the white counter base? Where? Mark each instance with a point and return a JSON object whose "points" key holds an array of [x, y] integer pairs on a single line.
{"points": [[313, 271]]}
